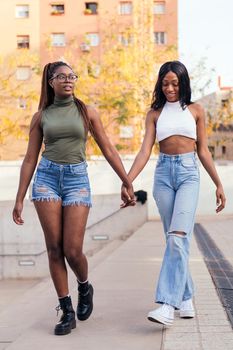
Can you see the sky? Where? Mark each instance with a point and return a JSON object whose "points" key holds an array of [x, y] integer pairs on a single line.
{"points": [[206, 33]]}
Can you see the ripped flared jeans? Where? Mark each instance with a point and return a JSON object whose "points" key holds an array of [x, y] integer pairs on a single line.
{"points": [[176, 190]]}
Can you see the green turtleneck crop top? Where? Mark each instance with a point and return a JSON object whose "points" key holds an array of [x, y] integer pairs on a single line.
{"points": [[64, 132]]}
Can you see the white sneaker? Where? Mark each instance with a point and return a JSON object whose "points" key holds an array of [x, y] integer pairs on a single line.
{"points": [[164, 314], [187, 309]]}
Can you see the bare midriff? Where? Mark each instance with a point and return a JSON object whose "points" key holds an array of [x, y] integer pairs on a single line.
{"points": [[177, 144]]}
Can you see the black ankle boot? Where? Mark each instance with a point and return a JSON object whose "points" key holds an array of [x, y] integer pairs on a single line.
{"points": [[85, 301], [67, 321]]}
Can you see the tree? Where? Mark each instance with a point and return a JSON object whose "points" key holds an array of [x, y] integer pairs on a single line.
{"points": [[201, 77], [121, 83], [17, 96]]}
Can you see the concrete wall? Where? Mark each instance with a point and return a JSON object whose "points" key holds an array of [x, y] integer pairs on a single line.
{"points": [[104, 181], [20, 245], [22, 248]]}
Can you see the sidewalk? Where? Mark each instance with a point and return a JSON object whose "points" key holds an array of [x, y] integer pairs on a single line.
{"points": [[124, 275]]}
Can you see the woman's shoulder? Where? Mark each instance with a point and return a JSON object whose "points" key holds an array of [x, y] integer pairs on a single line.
{"points": [[196, 109], [36, 120], [91, 108], [92, 111], [154, 114], [37, 115]]}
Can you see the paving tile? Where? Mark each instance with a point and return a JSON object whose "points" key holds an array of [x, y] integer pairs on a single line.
{"points": [[213, 322], [209, 319], [214, 329], [183, 329], [181, 345], [216, 336], [211, 313], [184, 337]]}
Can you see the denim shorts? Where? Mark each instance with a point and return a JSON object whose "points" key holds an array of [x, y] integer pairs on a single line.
{"points": [[68, 183]]}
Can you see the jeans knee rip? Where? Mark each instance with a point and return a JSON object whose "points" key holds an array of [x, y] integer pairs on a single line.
{"points": [[181, 234]]}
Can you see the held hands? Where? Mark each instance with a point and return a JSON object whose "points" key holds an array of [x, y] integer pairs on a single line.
{"points": [[16, 214], [127, 195]]}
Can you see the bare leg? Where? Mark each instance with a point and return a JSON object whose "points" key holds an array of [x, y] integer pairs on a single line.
{"points": [[74, 223], [50, 215]]}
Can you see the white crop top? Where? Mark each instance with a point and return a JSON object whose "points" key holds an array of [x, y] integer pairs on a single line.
{"points": [[174, 120]]}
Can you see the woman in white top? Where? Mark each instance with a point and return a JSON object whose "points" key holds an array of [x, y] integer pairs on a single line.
{"points": [[179, 126]]}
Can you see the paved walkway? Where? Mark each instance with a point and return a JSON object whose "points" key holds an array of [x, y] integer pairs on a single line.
{"points": [[124, 275]]}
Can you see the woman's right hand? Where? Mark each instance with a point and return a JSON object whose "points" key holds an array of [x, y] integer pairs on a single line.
{"points": [[16, 214], [127, 195], [220, 199]]}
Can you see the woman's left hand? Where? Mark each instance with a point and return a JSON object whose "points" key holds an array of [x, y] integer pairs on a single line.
{"points": [[220, 199]]}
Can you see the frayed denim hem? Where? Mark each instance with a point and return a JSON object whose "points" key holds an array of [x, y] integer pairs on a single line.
{"points": [[43, 199], [73, 203], [64, 204]]}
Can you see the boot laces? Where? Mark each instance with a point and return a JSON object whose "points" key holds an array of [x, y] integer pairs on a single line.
{"points": [[58, 308]]}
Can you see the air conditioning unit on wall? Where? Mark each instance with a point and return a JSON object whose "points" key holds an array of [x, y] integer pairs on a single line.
{"points": [[85, 47]]}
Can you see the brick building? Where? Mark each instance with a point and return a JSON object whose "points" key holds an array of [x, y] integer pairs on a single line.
{"points": [[48, 28], [219, 111]]}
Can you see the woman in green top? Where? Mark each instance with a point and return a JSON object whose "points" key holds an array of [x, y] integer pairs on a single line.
{"points": [[61, 190]]}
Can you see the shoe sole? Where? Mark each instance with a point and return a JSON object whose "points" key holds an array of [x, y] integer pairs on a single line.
{"points": [[160, 320], [187, 314], [84, 318], [67, 331]]}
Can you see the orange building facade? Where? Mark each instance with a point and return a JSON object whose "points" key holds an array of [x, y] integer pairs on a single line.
{"points": [[50, 28], [36, 24]]}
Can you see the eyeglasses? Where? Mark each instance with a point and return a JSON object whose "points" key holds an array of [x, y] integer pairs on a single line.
{"points": [[63, 77]]}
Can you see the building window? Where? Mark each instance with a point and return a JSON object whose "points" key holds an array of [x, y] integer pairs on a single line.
{"points": [[160, 38], [159, 7], [93, 39], [23, 41], [224, 149], [125, 8], [22, 103], [23, 73], [125, 39], [91, 8], [57, 9], [126, 132], [58, 39], [22, 11]]}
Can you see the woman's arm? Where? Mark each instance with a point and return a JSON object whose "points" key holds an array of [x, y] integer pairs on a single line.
{"points": [[145, 151], [146, 148], [28, 166], [109, 152], [205, 156]]}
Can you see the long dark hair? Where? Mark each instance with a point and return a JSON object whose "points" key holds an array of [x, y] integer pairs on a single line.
{"points": [[47, 92], [158, 98]]}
